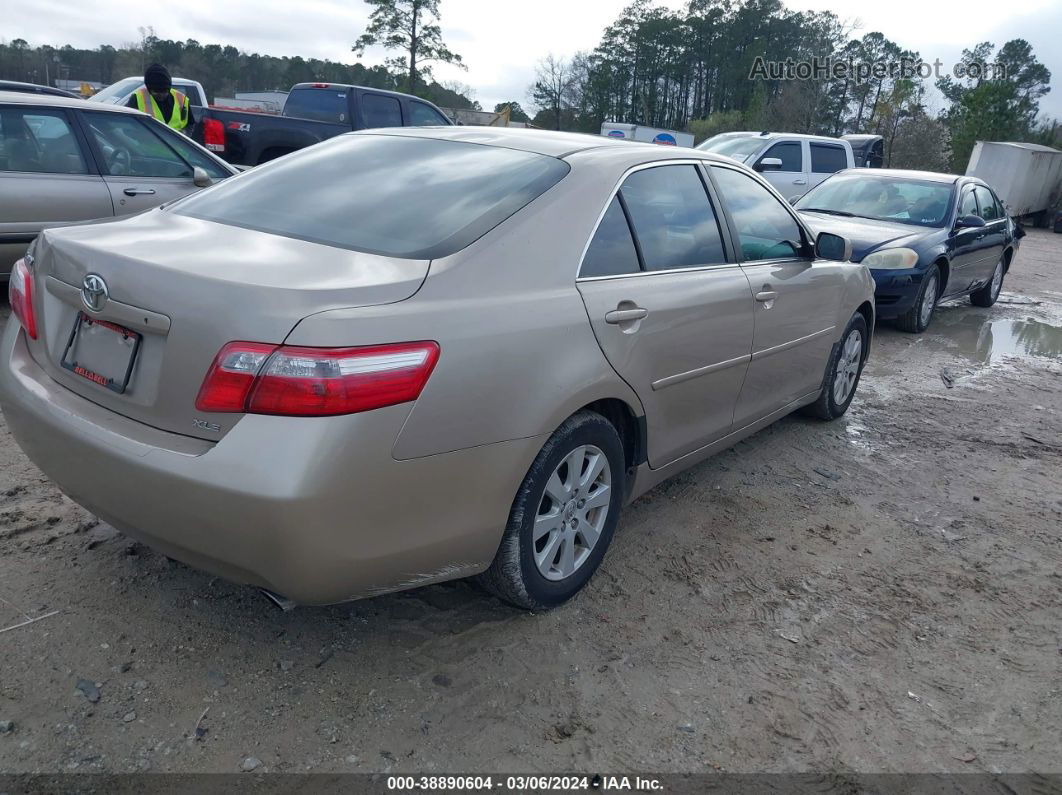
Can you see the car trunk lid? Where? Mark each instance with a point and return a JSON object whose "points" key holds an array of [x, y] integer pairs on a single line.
{"points": [[186, 287]]}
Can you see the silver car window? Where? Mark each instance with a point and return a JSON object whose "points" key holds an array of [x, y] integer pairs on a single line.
{"points": [[765, 229], [37, 140], [674, 223], [612, 251], [130, 149]]}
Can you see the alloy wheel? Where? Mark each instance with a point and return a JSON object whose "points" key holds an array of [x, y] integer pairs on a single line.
{"points": [[997, 280], [572, 512], [929, 301], [847, 370]]}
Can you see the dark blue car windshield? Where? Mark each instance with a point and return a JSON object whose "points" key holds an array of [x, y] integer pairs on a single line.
{"points": [[400, 196], [905, 201]]}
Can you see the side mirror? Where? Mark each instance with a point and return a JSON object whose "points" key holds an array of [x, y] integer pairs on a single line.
{"points": [[795, 198], [201, 179], [970, 222], [769, 164], [833, 247]]}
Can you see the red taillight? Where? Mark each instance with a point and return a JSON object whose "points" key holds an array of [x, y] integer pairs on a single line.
{"points": [[20, 297], [315, 382], [214, 135]]}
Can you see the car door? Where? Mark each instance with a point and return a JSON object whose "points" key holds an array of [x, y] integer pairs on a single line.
{"points": [[966, 246], [669, 305], [139, 160], [46, 178], [796, 297], [791, 179], [995, 232], [826, 159]]}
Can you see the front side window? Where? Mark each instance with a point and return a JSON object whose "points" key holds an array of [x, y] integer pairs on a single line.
{"points": [[765, 228], [421, 115], [612, 251], [967, 204], [38, 141], [989, 208], [130, 149], [790, 155], [827, 159], [672, 217], [191, 153], [393, 195], [380, 111]]}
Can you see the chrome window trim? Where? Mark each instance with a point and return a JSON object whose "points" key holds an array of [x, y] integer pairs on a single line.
{"points": [[723, 233]]}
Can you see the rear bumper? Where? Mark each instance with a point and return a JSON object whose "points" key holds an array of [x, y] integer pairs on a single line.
{"points": [[895, 291], [316, 509]]}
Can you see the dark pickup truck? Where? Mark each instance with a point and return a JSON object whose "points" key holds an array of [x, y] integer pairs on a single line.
{"points": [[312, 113]]}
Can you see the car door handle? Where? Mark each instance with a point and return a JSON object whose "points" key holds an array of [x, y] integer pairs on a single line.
{"points": [[625, 315], [800, 182], [139, 191], [766, 295]]}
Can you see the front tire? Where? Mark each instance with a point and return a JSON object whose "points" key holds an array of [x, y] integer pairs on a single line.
{"points": [[988, 294], [563, 517], [843, 372], [916, 319]]}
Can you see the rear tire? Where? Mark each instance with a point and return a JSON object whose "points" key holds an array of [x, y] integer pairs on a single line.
{"points": [[562, 520], [917, 319], [843, 372], [988, 294]]}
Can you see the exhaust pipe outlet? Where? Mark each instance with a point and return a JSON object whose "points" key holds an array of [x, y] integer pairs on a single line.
{"points": [[284, 604]]}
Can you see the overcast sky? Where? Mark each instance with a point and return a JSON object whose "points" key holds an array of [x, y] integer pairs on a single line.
{"points": [[501, 40]]}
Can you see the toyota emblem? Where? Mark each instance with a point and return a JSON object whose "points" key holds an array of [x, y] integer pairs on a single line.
{"points": [[94, 292]]}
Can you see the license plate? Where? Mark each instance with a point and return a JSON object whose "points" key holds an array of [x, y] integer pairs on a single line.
{"points": [[101, 351]]}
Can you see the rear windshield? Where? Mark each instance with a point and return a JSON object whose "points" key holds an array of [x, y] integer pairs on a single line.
{"points": [[319, 104], [418, 198]]}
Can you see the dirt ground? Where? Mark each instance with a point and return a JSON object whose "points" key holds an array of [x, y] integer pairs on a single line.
{"points": [[883, 593]]}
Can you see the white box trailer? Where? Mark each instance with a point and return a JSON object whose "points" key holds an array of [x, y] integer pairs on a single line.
{"points": [[1027, 177], [651, 135]]}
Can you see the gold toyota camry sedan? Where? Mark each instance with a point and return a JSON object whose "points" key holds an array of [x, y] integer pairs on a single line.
{"points": [[406, 356]]}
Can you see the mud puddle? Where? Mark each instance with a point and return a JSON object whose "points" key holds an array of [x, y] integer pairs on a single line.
{"points": [[988, 341]]}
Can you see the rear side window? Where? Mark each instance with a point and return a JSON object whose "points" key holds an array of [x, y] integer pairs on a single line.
{"points": [[674, 222], [393, 195], [319, 104], [380, 111], [790, 155], [764, 227], [39, 141], [421, 115], [827, 158], [612, 251]]}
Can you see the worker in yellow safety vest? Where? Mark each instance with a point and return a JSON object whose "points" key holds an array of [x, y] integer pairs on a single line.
{"points": [[158, 98]]}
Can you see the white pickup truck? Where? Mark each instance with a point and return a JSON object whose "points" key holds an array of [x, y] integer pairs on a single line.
{"points": [[118, 93], [793, 163]]}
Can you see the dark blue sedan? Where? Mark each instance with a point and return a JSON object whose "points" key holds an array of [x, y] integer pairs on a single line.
{"points": [[925, 237]]}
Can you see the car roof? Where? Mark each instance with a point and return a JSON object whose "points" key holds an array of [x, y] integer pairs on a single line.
{"points": [[901, 173], [49, 100], [547, 142], [770, 135], [34, 88]]}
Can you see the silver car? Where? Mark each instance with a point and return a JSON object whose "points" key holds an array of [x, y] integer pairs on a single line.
{"points": [[412, 355], [64, 160]]}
